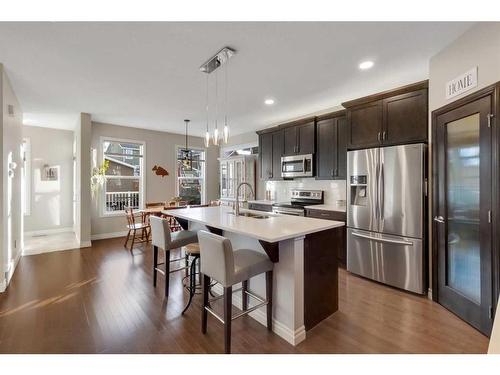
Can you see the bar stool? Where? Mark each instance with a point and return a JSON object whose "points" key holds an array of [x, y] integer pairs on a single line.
{"points": [[228, 267], [164, 239], [192, 251]]}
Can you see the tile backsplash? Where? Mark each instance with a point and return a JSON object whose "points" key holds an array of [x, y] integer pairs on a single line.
{"points": [[334, 190]]}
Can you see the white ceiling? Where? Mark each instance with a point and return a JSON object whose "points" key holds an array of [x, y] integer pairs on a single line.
{"points": [[146, 74]]}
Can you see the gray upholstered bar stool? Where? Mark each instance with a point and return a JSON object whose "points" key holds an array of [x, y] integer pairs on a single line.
{"points": [[228, 267], [164, 239]]}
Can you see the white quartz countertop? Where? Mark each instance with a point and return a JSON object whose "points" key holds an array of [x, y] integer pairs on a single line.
{"points": [[327, 207], [263, 201], [273, 229]]}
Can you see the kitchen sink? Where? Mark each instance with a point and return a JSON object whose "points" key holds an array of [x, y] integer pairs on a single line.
{"points": [[250, 214]]}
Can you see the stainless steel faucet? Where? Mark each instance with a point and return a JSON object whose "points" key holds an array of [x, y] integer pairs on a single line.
{"points": [[237, 206]]}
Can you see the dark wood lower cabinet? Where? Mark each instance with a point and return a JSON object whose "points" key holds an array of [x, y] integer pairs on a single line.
{"points": [[321, 298], [340, 235]]}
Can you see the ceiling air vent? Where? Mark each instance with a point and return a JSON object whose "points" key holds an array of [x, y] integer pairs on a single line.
{"points": [[10, 110]]}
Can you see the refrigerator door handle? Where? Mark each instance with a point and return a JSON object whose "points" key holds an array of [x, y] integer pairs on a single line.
{"points": [[382, 191], [376, 197], [386, 240]]}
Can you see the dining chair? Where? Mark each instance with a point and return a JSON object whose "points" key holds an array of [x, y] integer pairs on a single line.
{"points": [[137, 232]]}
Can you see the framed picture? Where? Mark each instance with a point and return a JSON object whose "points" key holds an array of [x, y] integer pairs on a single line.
{"points": [[50, 173]]}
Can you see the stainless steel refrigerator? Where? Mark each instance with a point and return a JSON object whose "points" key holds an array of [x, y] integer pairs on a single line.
{"points": [[385, 215]]}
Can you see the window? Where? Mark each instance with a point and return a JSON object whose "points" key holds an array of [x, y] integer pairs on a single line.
{"points": [[191, 181], [124, 180]]}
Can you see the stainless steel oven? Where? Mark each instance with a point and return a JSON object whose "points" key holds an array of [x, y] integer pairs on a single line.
{"points": [[297, 166], [288, 211]]}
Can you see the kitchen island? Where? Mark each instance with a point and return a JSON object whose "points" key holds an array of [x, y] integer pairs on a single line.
{"points": [[305, 255]]}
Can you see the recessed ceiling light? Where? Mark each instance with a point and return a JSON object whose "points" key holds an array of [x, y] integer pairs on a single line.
{"points": [[269, 101], [366, 65]]}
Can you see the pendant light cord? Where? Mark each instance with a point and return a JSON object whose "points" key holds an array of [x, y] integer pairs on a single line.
{"points": [[225, 94], [216, 98], [207, 103]]}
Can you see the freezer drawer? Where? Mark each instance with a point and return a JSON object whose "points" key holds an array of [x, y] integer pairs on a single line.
{"points": [[392, 260]]}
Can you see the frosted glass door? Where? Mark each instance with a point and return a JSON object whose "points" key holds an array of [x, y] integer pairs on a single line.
{"points": [[463, 181], [462, 212]]}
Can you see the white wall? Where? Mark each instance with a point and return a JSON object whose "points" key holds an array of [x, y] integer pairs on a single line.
{"points": [[160, 150], [51, 205], [82, 206], [10, 202], [479, 46]]}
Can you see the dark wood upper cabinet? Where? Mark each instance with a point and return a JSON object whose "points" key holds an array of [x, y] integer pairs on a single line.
{"points": [[306, 138], [392, 117], [299, 138], [342, 133], [266, 155], [326, 157], [278, 145], [405, 118], [270, 152], [365, 122], [331, 148], [290, 140]]}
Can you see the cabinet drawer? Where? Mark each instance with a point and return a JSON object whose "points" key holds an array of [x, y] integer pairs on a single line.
{"points": [[328, 215], [260, 207]]}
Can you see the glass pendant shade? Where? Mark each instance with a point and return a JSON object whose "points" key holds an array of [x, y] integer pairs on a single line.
{"points": [[207, 138], [226, 133], [216, 137]]}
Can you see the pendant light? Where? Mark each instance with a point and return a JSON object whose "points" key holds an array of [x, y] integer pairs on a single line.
{"points": [[212, 64], [207, 133], [226, 127], [186, 155]]}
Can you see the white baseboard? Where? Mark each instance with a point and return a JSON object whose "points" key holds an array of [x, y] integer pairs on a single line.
{"points": [[12, 268], [48, 231], [429, 294], [85, 244], [292, 337], [103, 236]]}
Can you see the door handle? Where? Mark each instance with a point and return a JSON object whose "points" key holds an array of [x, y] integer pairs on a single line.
{"points": [[386, 240], [439, 219]]}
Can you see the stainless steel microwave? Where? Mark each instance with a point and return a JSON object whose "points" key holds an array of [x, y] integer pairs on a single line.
{"points": [[297, 166]]}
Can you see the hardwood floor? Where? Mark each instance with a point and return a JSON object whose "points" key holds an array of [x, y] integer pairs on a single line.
{"points": [[101, 300]]}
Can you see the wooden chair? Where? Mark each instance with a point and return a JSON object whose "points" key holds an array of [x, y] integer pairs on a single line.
{"points": [[155, 204], [172, 223], [143, 228]]}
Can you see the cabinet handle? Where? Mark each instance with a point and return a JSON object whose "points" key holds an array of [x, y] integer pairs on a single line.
{"points": [[384, 135], [378, 137], [335, 173]]}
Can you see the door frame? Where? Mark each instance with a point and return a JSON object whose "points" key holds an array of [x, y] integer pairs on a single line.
{"points": [[492, 90]]}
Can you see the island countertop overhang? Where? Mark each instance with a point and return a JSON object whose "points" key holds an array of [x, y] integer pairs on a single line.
{"points": [[275, 228]]}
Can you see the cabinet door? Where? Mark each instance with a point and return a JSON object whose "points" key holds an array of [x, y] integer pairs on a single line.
{"points": [[306, 138], [277, 153], [341, 172], [266, 155], [326, 155], [365, 123], [290, 140], [223, 180], [405, 118]]}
